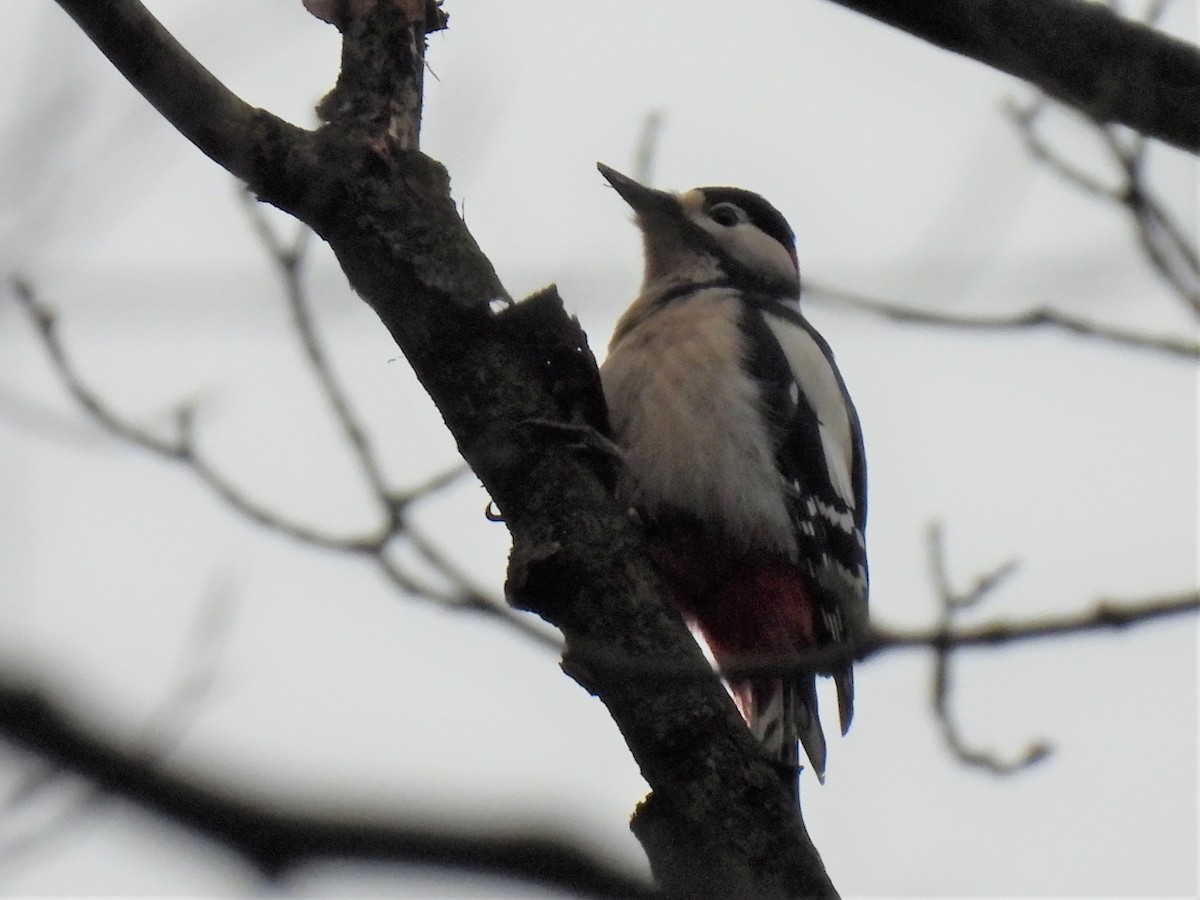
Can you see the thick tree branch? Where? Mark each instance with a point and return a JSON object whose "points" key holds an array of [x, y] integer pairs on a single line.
{"points": [[1084, 54], [720, 821], [278, 842], [226, 129], [176, 711]]}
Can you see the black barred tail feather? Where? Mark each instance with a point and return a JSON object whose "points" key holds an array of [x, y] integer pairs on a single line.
{"points": [[808, 724], [767, 608], [783, 716], [844, 680]]}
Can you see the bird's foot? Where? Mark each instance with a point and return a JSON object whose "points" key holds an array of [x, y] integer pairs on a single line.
{"points": [[579, 437]]}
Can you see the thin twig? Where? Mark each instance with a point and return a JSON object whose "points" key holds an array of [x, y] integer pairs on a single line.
{"points": [[181, 448], [1024, 117], [289, 263], [1165, 242], [951, 604], [647, 147], [434, 484], [1041, 317], [463, 593], [1104, 615]]}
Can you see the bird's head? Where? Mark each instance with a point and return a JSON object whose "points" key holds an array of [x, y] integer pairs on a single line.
{"points": [[712, 233]]}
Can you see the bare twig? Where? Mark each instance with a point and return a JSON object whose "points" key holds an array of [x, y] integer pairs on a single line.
{"points": [[1039, 318], [1164, 240], [952, 603], [1024, 117], [289, 263], [180, 448], [288, 260], [1104, 615], [199, 670], [647, 147]]}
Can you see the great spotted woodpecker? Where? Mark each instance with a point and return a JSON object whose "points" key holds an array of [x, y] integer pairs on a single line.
{"points": [[742, 452]]}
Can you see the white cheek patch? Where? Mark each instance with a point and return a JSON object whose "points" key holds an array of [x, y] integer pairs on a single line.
{"points": [[760, 252], [746, 243]]}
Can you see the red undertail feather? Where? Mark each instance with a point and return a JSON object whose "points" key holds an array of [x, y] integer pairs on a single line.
{"points": [[764, 609]]}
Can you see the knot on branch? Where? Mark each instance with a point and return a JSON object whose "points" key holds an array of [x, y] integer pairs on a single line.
{"points": [[380, 87], [555, 347]]}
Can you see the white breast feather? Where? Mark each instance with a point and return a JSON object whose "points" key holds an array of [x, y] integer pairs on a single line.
{"points": [[688, 418]]}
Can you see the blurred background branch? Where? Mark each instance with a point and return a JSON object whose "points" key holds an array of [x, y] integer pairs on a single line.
{"points": [[1083, 54], [378, 546], [277, 841]]}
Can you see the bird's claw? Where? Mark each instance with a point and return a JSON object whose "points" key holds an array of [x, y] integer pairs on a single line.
{"points": [[582, 437]]}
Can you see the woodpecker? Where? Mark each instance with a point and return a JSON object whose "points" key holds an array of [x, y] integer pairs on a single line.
{"points": [[742, 451]]}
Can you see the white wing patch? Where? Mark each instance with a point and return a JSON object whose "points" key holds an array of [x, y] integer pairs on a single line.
{"points": [[839, 471], [815, 375]]}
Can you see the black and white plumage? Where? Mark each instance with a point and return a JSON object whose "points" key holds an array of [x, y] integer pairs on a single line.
{"points": [[743, 452]]}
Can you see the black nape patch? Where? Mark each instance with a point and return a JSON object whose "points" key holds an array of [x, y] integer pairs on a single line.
{"points": [[764, 216]]}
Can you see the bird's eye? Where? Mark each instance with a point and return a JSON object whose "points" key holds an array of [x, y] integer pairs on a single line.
{"points": [[725, 214]]}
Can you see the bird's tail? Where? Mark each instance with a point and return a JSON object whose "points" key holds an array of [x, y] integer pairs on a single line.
{"points": [[783, 715], [843, 680]]}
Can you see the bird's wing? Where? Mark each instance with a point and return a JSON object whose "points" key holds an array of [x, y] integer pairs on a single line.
{"points": [[819, 453]]}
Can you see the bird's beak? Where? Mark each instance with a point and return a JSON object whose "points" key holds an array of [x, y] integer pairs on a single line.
{"points": [[645, 201]]}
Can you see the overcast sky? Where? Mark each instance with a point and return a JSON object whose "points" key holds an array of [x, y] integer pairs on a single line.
{"points": [[902, 178]]}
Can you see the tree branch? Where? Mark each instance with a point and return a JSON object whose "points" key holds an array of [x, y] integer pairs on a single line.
{"points": [[720, 821], [1104, 615], [951, 604], [1110, 69], [1164, 240], [182, 450], [239, 137], [167, 723], [1031, 320], [277, 842], [289, 260]]}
